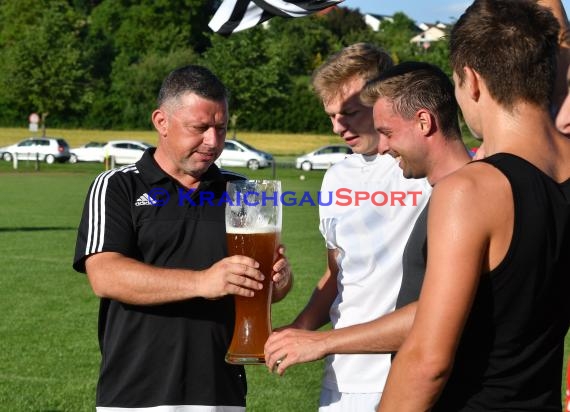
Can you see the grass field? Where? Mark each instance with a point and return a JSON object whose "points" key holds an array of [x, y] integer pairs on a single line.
{"points": [[48, 350]]}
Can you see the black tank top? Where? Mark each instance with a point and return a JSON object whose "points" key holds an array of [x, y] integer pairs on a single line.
{"points": [[414, 262], [511, 352]]}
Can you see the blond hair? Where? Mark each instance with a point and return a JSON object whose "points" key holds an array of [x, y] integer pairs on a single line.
{"points": [[362, 60]]}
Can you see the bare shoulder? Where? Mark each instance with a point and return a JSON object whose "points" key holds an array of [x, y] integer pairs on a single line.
{"points": [[473, 180], [477, 193]]}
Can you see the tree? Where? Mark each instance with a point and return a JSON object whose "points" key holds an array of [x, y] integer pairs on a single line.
{"points": [[343, 22], [99, 63], [136, 87], [256, 81], [395, 35], [134, 45], [44, 69], [298, 42], [437, 53]]}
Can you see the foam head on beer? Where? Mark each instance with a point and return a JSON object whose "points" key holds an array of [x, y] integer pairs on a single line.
{"points": [[254, 204], [252, 230]]}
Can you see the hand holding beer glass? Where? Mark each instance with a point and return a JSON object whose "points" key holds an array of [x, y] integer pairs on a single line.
{"points": [[253, 228]]}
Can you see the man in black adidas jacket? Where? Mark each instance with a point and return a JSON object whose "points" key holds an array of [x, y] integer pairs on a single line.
{"points": [[156, 256]]}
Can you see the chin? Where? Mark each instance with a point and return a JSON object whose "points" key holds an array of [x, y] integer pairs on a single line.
{"points": [[365, 150], [196, 169], [408, 174], [476, 135]]}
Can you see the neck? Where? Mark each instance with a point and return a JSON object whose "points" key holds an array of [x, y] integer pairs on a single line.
{"points": [[447, 157], [506, 131], [528, 132]]}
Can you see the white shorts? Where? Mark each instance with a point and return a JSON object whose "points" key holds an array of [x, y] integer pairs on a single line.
{"points": [[333, 401]]}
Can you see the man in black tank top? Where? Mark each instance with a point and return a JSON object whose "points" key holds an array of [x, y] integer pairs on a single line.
{"points": [[493, 313]]}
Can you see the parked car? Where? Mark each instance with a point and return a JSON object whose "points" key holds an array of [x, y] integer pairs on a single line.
{"points": [[45, 149], [323, 158], [240, 154], [89, 152], [125, 151]]}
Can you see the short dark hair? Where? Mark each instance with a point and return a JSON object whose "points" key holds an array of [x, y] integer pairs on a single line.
{"points": [[412, 86], [192, 79], [513, 46]]}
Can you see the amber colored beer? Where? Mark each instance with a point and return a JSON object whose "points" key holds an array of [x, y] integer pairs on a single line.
{"points": [[253, 314]]}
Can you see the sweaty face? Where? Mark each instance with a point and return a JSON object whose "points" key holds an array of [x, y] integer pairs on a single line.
{"points": [[400, 138], [192, 134], [351, 120]]}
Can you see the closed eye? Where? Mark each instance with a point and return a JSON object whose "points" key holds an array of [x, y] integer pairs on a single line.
{"points": [[384, 132]]}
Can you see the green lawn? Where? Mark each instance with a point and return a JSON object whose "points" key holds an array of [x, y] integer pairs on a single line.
{"points": [[48, 348]]}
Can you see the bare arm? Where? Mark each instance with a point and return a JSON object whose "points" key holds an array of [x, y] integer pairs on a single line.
{"points": [[461, 243], [383, 335], [300, 342], [117, 277]]}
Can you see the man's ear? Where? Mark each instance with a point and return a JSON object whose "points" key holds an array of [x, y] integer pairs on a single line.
{"points": [[160, 121], [425, 121], [473, 82]]}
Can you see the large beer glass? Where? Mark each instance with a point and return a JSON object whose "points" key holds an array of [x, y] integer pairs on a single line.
{"points": [[253, 227]]}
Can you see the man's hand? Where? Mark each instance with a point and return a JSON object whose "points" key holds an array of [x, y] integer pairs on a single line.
{"points": [[282, 276], [234, 275], [291, 346]]}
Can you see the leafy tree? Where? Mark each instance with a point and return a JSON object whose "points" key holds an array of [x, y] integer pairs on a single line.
{"points": [[395, 37], [344, 22], [99, 63], [136, 87], [135, 44], [256, 81], [14, 15], [437, 53], [299, 44], [303, 111], [84, 6], [44, 70]]}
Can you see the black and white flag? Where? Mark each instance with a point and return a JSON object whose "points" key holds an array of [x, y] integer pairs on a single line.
{"points": [[237, 15]]}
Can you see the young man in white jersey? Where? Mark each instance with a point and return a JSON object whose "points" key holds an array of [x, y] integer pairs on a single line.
{"points": [[365, 239]]}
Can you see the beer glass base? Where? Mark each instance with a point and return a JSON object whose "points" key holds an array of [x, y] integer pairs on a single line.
{"points": [[245, 359]]}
